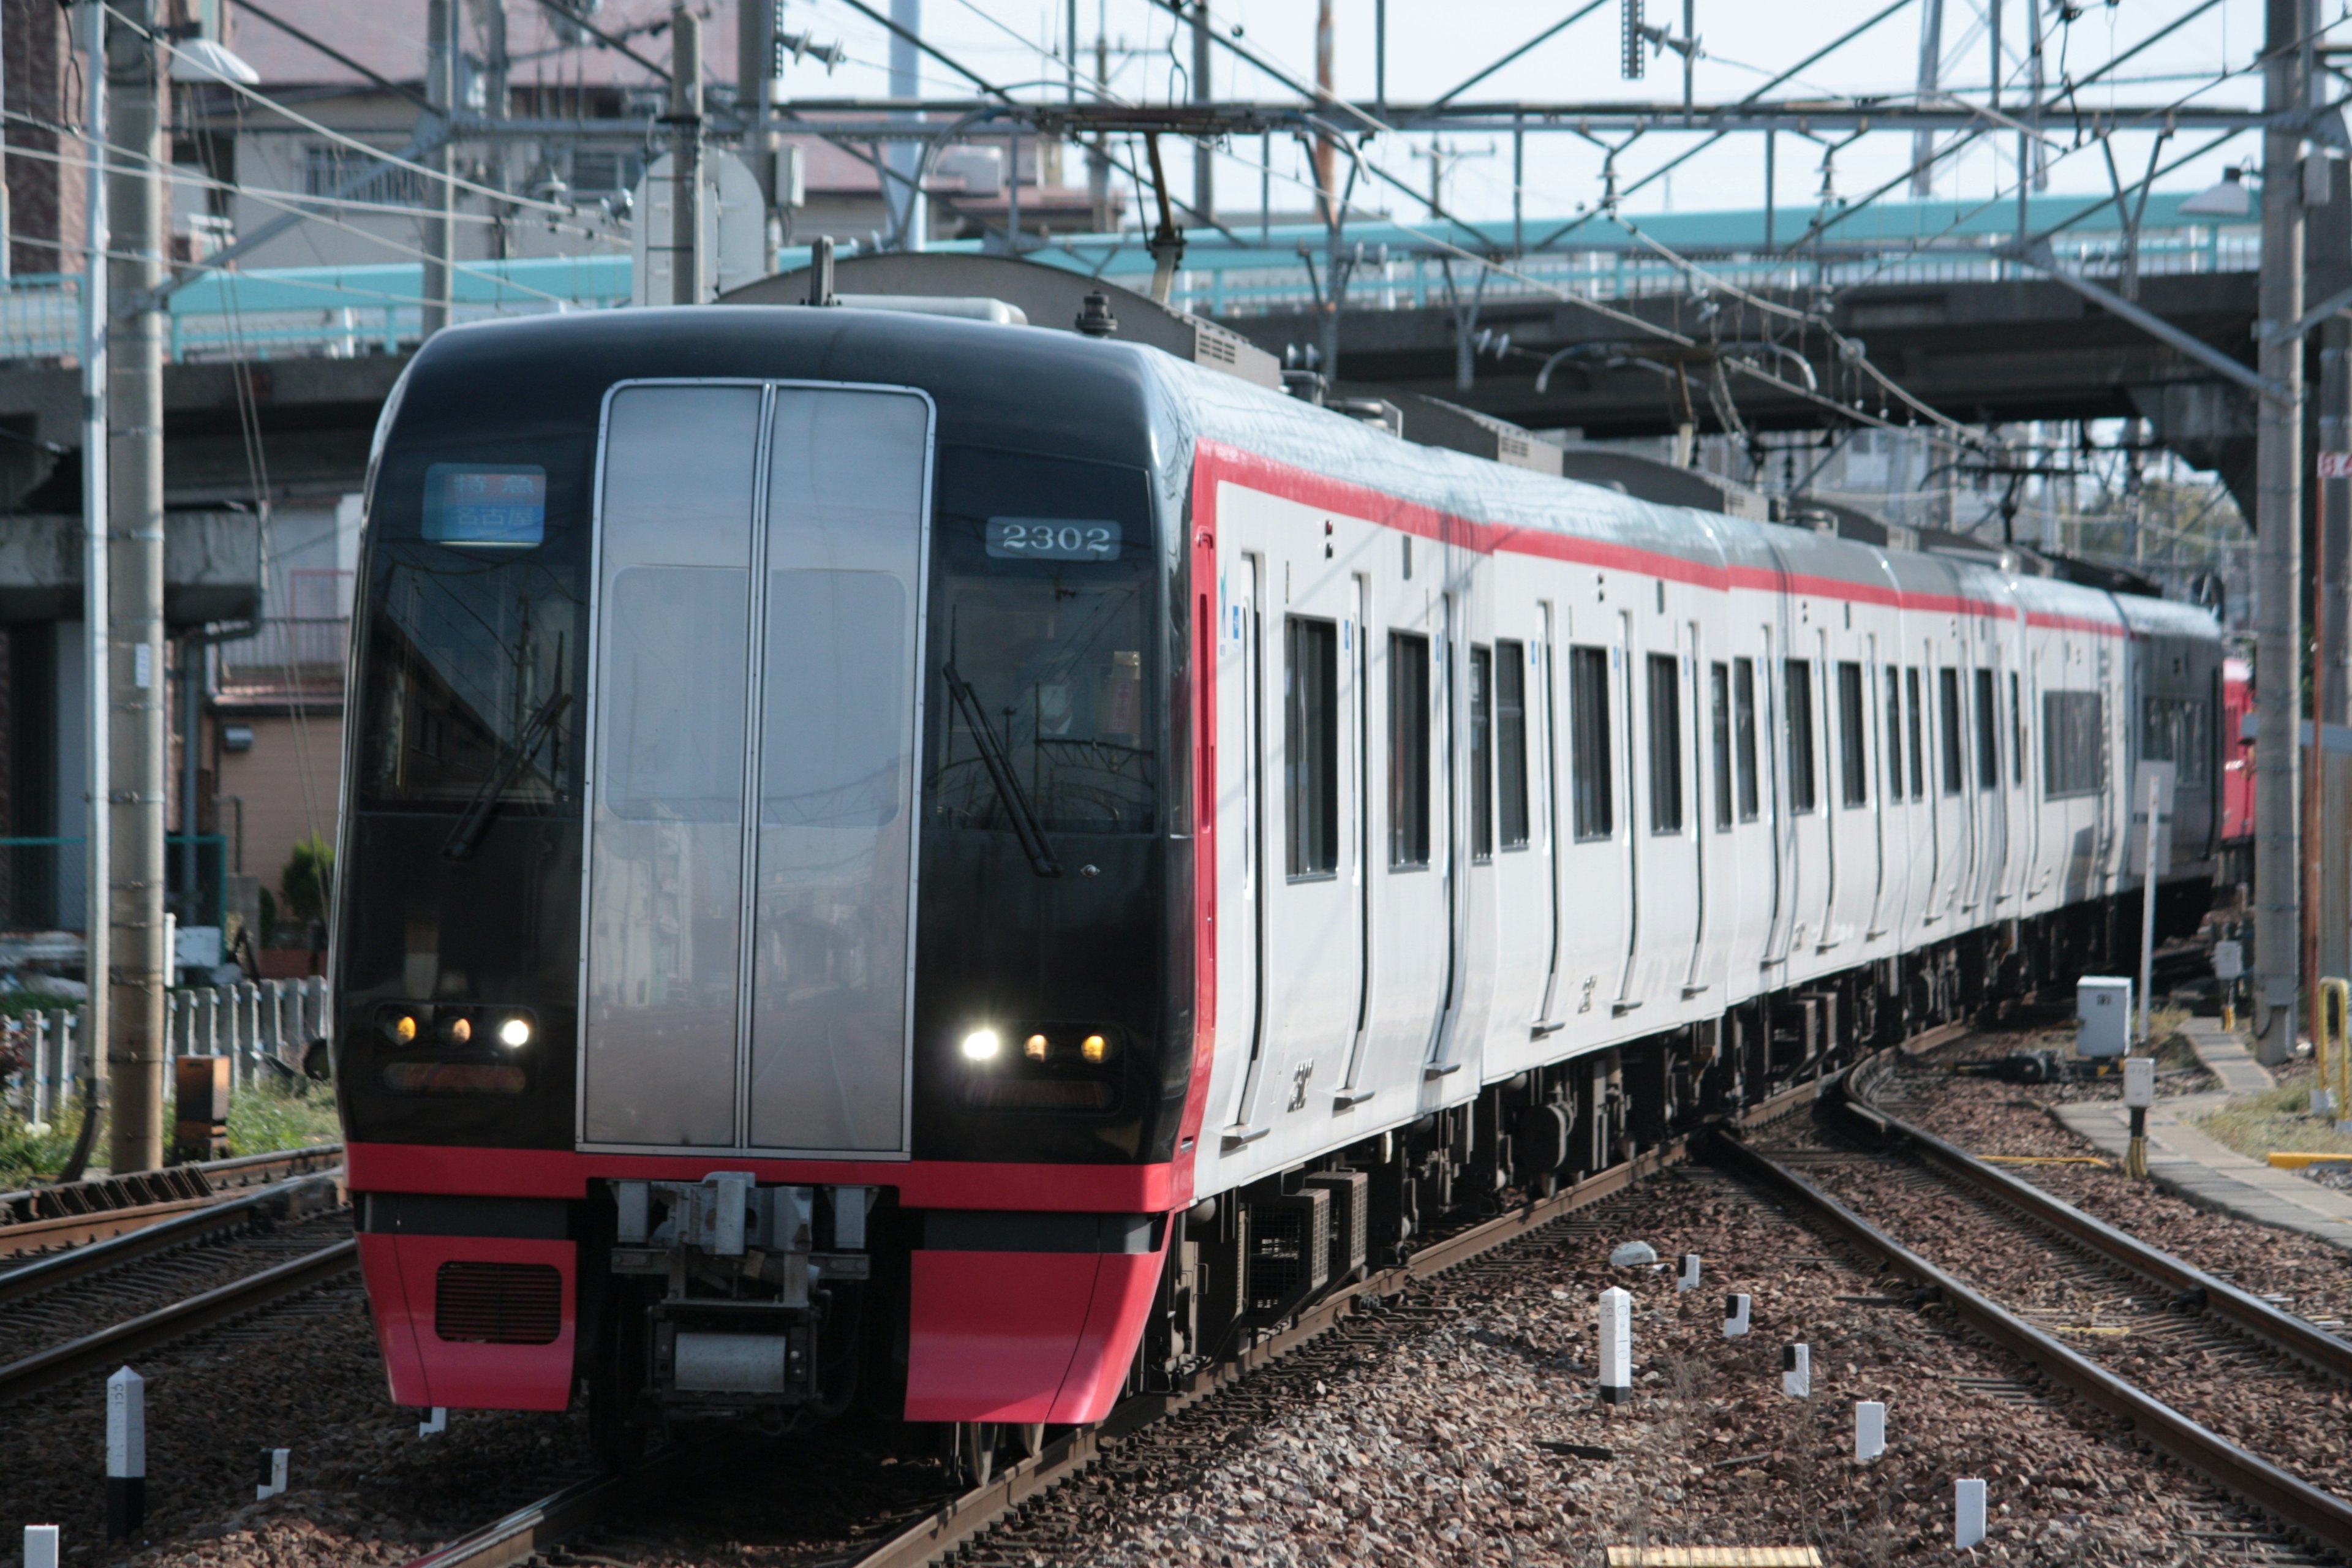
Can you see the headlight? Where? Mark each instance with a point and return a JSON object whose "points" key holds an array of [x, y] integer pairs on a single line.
{"points": [[401, 1030], [457, 1031], [982, 1044], [514, 1034], [1094, 1048], [1034, 1047]]}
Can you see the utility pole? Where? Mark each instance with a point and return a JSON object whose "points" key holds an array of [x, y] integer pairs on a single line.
{"points": [[1327, 189], [1097, 163], [904, 159], [440, 195], [135, 673], [1931, 73], [98, 873], [755, 80], [2278, 546], [1204, 154], [2334, 518], [685, 266]]}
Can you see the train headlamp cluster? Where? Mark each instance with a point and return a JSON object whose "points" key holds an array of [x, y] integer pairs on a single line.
{"points": [[405, 1025], [1042, 1044]]}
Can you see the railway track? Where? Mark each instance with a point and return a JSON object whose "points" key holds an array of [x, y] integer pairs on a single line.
{"points": [[2202, 1370], [69, 1214], [176, 1275], [959, 1521], [2216, 1321]]}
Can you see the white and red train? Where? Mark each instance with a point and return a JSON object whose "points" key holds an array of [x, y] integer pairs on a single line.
{"points": [[970, 868]]}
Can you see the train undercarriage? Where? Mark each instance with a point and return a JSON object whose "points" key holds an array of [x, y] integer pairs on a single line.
{"points": [[663, 1338]]}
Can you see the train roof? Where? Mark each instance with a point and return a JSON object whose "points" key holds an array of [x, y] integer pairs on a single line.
{"points": [[1038, 389]]}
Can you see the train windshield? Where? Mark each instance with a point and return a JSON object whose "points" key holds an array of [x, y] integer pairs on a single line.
{"points": [[475, 593], [1041, 606]]}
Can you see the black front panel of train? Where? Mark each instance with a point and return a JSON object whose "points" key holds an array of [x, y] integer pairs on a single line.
{"points": [[463, 857], [1042, 1002], [457, 952]]}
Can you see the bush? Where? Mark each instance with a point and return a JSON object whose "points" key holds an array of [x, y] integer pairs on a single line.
{"points": [[307, 882]]}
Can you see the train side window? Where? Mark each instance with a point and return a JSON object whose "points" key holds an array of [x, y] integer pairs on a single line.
{"points": [[1743, 710], [2016, 733], [1948, 717], [1588, 741], [1511, 742], [1987, 734], [1665, 744], [1853, 744], [1482, 753], [1408, 750], [2073, 743], [1919, 744], [2173, 730], [1799, 681], [1893, 733], [1310, 746], [1718, 680]]}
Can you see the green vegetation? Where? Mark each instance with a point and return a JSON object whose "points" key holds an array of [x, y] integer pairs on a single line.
{"points": [[2275, 1120], [262, 1120]]}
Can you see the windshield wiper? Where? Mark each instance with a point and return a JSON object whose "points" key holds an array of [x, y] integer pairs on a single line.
{"points": [[477, 814], [1001, 774]]}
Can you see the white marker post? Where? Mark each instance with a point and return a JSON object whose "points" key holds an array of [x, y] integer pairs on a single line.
{"points": [[1616, 1346], [1688, 1278], [1869, 1429], [126, 1453], [1797, 1372], [2140, 1098], [1735, 1317], [41, 1546], [436, 1424], [270, 1480], [1967, 1513]]}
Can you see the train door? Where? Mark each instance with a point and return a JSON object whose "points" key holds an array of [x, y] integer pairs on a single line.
{"points": [[1771, 704], [1993, 819], [1594, 875], [1665, 874], [1949, 785], [746, 823], [1918, 784], [1710, 751], [1883, 895], [1622, 659], [1355, 652], [1449, 1045], [1517, 923], [1306, 944], [1543, 753], [1243, 673]]}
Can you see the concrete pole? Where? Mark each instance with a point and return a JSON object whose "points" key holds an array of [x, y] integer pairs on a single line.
{"points": [[98, 699], [1931, 69], [1205, 157], [1097, 164], [135, 674], [1327, 189], [686, 263], [2335, 514], [755, 56], [440, 198], [906, 158], [2278, 552]]}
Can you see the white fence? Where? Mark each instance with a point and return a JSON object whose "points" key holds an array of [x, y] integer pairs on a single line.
{"points": [[246, 1022]]}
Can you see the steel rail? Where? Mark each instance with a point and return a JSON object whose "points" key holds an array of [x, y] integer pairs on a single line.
{"points": [[96, 1352], [2280, 1493], [282, 1200], [963, 1519], [2240, 1309], [562, 1516], [72, 1213]]}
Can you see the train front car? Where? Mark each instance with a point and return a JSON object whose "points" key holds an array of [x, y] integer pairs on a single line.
{"points": [[762, 978]]}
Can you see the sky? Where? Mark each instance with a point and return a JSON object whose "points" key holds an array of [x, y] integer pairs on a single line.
{"points": [[1435, 44]]}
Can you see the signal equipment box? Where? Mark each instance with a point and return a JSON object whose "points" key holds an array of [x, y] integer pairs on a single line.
{"points": [[2103, 1011]]}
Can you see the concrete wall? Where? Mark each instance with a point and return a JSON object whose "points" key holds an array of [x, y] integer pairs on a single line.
{"points": [[287, 783]]}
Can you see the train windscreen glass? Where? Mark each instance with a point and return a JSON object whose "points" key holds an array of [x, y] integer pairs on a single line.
{"points": [[1044, 574], [474, 607]]}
